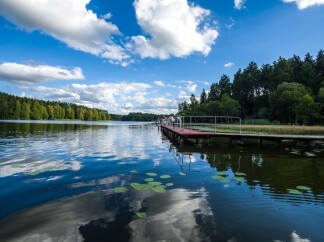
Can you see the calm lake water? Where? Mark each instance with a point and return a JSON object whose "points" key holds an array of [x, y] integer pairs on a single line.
{"points": [[57, 183]]}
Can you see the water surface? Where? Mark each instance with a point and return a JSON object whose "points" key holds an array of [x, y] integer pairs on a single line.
{"points": [[57, 183]]}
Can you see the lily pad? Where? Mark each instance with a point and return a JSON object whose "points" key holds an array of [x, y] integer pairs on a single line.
{"points": [[151, 174], [140, 187], [224, 180], [218, 177], [149, 179], [120, 189], [159, 189], [154, 184], [240, 174], [141, 215], [309, 154], [294, 191], [303, 188], [134, 171], [295, 152], [182, 174], [34, 173], [239, 179], [165, 176], [170, 184], [221, 173]]}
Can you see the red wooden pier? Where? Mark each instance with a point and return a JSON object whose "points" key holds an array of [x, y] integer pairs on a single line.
{"points": [[183, 134]]}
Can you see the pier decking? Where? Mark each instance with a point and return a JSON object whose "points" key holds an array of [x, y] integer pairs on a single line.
{"points": [[183, 133]]}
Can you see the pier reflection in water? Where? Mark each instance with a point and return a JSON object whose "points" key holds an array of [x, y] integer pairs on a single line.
{"points": [[57, 183]]}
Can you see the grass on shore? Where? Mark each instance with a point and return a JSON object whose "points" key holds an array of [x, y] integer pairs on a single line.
{"points": [[268, 129]]}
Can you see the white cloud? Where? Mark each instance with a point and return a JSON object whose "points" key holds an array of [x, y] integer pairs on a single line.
{"points": [[68, 21], [189, 86], [238, 4], [174, 27], [120, 98], [229, 65], [231, 24], [159, 83], [302, 4], [114, 97], [26, 74]]}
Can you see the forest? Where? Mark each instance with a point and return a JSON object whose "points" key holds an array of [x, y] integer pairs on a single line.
{"points": [[136, 117], [13, 107], [288, 91]]}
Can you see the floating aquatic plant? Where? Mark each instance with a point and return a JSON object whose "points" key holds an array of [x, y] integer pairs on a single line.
{"points": [[182, 174], [141, 215], [134, 171], [170, 184], [151, 174], [239, 179], [122, 163], [120, 189], [140, 187], [218, 177], [309, 154], [224, 180], [154, 184], [303, 188], [149, 179], [294, 191], [240, 174], [165, 176], [159, 189], [34, 173], [295, 152], [221, 173]]}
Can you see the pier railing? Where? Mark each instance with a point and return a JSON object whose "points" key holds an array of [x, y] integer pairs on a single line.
{"points": [[215, 124]]}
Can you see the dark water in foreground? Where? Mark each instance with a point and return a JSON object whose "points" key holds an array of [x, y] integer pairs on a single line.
{"points": [[57, 184]]}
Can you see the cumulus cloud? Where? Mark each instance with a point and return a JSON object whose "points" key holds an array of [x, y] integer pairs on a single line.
{"points": [[229, 65], [120, 98], [302, 4], [26, 74], [68, 21], [174, 27], [114, 97], [159, 83], [238, 4], [189, 86]]}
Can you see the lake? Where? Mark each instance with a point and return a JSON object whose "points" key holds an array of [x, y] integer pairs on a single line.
{"points": [[123, 181]]}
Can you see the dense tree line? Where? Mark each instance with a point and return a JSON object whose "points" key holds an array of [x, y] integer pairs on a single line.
{"points": [[13, 107], [288, 90], [136, 117]]}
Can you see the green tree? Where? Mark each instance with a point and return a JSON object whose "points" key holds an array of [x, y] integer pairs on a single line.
{"points": [[50, 111], [285, 100], [309, 77], [203, 97], [225, 85], [247, 89], [319, 67], [17, 110], [25, 111], [36, 112], [193, 103], [307, 110], [282, 72], [230, 106], [69, 113]]}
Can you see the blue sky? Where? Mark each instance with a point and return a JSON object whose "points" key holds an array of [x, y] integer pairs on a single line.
{"points": [[145, 55]]}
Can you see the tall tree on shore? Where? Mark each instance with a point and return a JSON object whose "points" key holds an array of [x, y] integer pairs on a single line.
{"points": [[203, 97]]}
